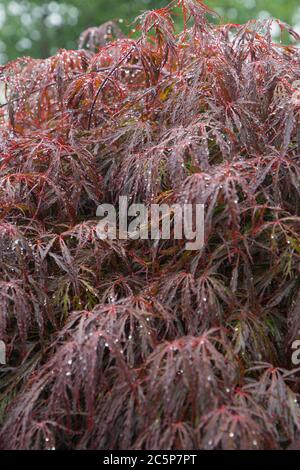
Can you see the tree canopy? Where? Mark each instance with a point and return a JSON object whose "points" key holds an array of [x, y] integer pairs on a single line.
{"points": [[116, 343], [38, 28]]}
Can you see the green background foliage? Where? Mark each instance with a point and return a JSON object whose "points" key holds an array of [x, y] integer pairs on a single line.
{"points": [[38, 27]]}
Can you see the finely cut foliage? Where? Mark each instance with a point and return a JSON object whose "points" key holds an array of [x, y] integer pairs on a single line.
{"points": [[140, 344]]}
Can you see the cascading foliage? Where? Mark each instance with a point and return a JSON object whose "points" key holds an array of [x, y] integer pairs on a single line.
{"points": [[140, 344]]}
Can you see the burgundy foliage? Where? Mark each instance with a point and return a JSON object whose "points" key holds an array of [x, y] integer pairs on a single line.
{"points": [[140, 344]]}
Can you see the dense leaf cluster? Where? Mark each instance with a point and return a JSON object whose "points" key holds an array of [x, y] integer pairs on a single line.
{"points": [[116, 344]]}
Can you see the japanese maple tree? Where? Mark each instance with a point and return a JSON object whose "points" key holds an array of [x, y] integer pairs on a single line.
{"points": [[139, 344]]}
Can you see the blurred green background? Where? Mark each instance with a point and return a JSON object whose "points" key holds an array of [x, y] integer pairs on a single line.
{"points": [[38, 27]]}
